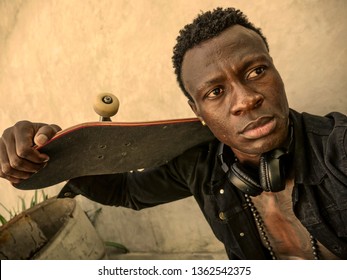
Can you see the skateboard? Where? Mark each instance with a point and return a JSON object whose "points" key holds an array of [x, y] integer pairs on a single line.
{"points": [[106, 147]]}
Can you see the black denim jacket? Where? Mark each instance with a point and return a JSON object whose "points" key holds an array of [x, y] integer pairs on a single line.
{"points": [[319, 194]]}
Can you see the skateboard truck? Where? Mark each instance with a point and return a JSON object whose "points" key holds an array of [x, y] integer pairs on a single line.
{"points": [[106, 105]]}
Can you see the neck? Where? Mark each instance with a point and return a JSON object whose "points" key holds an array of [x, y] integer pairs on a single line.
{"points": [[247, 159]]}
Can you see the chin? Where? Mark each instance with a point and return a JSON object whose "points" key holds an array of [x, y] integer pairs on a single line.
{"points": [[263, 145], [272, 143]]}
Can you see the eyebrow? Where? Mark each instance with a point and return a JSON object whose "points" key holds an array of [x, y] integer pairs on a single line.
{"points": [[248, 60], [245, 62], [212, 81]]}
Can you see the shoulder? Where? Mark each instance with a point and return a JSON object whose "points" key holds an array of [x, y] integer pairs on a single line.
{"points": [[197, 165], [200, 154], [320, 145], [319, 125]]}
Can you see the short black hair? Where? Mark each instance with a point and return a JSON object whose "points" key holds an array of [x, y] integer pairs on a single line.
{"points": [[206, 26]]}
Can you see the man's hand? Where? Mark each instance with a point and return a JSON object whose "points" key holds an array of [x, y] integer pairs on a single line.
{"points": [[18, 157]]}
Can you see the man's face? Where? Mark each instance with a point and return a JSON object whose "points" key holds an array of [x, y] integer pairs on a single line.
{"points": [[237, 91]]}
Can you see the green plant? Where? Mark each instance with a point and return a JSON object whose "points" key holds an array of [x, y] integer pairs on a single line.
{"points": [[121, 248], [22, 206]]}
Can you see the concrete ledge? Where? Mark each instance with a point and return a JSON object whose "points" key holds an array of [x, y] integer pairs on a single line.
{"points": [[167, 256], [112, 255]]}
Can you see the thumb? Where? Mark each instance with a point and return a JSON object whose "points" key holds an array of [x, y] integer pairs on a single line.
{"points": [[45, 133]]}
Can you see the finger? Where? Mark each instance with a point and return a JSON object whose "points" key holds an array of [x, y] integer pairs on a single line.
{"points": [[45, 133], [12, 180], [27, 134], [20, 146], [14, 166]]}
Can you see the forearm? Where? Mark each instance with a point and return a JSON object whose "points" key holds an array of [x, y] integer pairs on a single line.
{"points": [[104, 189], [134, 190]]}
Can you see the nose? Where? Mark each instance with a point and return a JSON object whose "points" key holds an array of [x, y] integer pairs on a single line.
{"points": [[245, 99]]}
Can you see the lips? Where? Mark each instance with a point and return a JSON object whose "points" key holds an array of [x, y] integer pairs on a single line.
{"points": [[258, 128]]}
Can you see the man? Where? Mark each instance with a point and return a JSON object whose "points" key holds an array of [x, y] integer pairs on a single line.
{"points": [[273, 184]]}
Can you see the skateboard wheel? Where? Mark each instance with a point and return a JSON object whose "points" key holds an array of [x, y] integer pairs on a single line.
{"points": [[106, 105]]}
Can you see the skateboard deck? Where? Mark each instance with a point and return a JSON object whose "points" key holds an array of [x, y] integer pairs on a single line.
{"points": [[112, 147]]}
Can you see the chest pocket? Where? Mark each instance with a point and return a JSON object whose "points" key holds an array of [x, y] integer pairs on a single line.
{"points": [[323, 209]]}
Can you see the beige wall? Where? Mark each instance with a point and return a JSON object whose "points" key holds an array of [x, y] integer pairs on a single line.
{"points": [[55, 56]]}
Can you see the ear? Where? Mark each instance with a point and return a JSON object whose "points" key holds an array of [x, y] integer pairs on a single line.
{"points": [[194, 109]]}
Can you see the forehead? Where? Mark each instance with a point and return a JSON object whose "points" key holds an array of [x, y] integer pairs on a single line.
{"points": [[232, 46]]}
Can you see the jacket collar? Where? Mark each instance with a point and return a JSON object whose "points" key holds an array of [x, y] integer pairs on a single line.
{"points": [[307, 169]]}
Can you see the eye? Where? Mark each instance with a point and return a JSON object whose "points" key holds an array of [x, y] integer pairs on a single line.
{"points": [[215, 93], [256, 72]]}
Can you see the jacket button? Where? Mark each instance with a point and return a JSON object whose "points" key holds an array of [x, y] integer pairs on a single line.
{"points": [[222, 216], [221, 191]]}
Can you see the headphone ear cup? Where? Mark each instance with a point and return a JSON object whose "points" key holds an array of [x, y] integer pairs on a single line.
{"points": [[243, 181], [271, 172], [264, 174]]}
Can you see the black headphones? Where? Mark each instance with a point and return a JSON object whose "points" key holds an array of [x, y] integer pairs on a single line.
{"points": [[271, 176]]}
